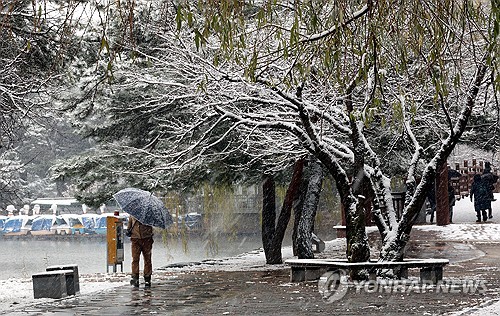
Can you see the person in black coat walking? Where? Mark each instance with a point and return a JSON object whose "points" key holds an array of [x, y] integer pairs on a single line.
{"points": [[479, 191], [451, 200], [489, 180]]}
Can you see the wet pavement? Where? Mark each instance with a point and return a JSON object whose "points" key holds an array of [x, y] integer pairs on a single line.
{"points": [[270, 292]]}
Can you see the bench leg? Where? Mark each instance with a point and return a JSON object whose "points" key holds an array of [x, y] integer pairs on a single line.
{"points": [[372, 275], [403, 273], [300, 274], [431, 274]]}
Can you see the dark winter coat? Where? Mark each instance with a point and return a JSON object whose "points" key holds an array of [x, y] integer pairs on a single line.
{"points": [[489, 179], [451, 195], [481, 193]]}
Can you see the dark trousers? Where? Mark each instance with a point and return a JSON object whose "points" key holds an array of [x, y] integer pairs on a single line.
{"points": [[145, 247], [478, 215]]}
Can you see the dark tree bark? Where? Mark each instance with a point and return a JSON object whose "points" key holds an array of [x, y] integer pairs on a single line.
{"points": [[268, 212], [298, 206], [272, 231], [442, 199], [310, 200]]}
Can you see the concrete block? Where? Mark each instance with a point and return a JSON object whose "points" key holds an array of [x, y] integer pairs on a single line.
{"points": [[72, 281], [49, 284]]}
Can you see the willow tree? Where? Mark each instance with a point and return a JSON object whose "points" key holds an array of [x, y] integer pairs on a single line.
{"points": [[273, 82], [329, 72]]}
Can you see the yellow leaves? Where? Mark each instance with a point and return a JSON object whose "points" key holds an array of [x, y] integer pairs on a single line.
{"points": [[104, 44]]}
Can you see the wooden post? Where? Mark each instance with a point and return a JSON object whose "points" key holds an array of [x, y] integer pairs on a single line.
{"points": [[442, 202]]}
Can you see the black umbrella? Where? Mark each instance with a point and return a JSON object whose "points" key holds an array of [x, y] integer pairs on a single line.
{"points": [[144, 206]]}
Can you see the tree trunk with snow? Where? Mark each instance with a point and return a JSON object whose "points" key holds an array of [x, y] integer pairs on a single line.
{"points": [[395, 240], [309, 204]]}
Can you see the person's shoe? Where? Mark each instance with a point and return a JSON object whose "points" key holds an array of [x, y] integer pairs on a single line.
{"points": [[478, 221], [147, 281], [490, 217], [134, 281]]}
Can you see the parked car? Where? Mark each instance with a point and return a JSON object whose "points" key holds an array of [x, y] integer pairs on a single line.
{"points": [[68, 224], [42, 225], [193, 221], [17, 225]]}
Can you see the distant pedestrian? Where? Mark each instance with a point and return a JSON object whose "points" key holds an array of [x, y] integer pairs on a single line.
{"points": [[141, 237], [489, 179], [431, 198], [451, 200], [482, 201]]}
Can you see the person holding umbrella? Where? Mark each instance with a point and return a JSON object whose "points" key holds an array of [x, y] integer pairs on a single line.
{"points": [[145, 211], [141, 237]]}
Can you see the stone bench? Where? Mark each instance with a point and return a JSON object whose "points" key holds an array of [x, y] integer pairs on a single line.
{"points": [[51, 284], [72, 282], [431, 270], [340, 231]]}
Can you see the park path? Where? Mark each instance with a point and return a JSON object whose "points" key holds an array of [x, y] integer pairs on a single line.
{"points": [[270, 292]]}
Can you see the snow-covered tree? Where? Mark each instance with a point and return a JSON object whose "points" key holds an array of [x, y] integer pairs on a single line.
{"points": [[35, 44], [346, 82]]}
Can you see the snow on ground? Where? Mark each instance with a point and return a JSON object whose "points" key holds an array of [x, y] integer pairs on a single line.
{"points": [[487, 309], [465, 227], [15, 293], [254, 260]]}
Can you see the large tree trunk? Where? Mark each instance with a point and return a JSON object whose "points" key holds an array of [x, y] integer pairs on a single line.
{"points": [[298, 206], [273, 233], [268, 213], [310, 203]]}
